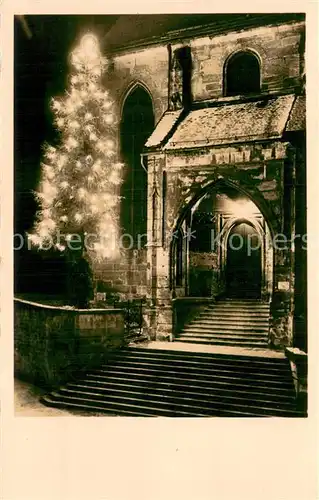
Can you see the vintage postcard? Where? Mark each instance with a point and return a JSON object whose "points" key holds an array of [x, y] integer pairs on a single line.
{"points": [[159, 181]]}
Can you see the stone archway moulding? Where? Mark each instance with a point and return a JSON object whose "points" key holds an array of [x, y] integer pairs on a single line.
{"points": [[254, 195], [265, 232]]}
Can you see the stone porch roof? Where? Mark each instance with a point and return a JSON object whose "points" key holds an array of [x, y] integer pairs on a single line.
{"points": [[297, 119], [225, 121], [163, 128], [233, 123]]}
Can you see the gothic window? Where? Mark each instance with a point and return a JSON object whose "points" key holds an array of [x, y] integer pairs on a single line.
{"points": [[181, 94], [137, 125], [242, 74]]}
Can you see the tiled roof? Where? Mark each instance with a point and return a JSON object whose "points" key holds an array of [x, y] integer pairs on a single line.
{"points": [[163, 127], [297, 120], [231, 123]]}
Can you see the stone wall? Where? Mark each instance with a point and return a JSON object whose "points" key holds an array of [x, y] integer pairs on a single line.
{"points": [[276, 46], [124, 277], [147, 66], [256, 169], [51, 343], [189, 173], [278, 49], [127, 275], [203, 274]]}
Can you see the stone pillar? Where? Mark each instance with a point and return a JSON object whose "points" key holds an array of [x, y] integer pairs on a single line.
{"points": [[159, 310], [282, 305]]}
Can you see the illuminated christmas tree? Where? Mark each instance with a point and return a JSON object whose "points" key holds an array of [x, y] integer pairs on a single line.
{"points": [[79, 188]]}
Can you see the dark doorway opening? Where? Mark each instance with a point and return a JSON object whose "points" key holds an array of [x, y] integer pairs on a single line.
{"points": [[243, 266]]}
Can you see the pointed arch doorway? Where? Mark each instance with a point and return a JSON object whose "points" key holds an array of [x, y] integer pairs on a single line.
{"points": [[243, 262]]}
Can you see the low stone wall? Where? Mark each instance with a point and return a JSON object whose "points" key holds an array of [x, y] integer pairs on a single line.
{"points": [[281, 320], [299, 369], [203, 274], [53, 343], [185, 309]]}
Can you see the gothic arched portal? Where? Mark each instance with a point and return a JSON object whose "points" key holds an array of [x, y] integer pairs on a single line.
{"points": [[229, 250]]}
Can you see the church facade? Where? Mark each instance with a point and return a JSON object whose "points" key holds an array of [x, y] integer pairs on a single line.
{"points": [[212, 134]]}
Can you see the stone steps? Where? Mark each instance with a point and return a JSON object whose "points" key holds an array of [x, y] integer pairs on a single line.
{"points": [[153, 382], [228, 327], [244, 323], [228, 319], [224, 342], [227, 336]]}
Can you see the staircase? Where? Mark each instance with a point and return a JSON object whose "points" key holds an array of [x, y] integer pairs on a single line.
{"points": [[171, 383], [243, 323]]}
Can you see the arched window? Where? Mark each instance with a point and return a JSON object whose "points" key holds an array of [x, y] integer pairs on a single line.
{"points": [[242, 74], [137, 124]]}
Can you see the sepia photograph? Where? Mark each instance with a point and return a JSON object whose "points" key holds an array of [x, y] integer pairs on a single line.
{"points": [[160, 225]]}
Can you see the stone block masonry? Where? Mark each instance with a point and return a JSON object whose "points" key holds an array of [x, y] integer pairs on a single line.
{"points": [[125, 277], [53, 343], [146, 66], [276, 46], [255, 164]]}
